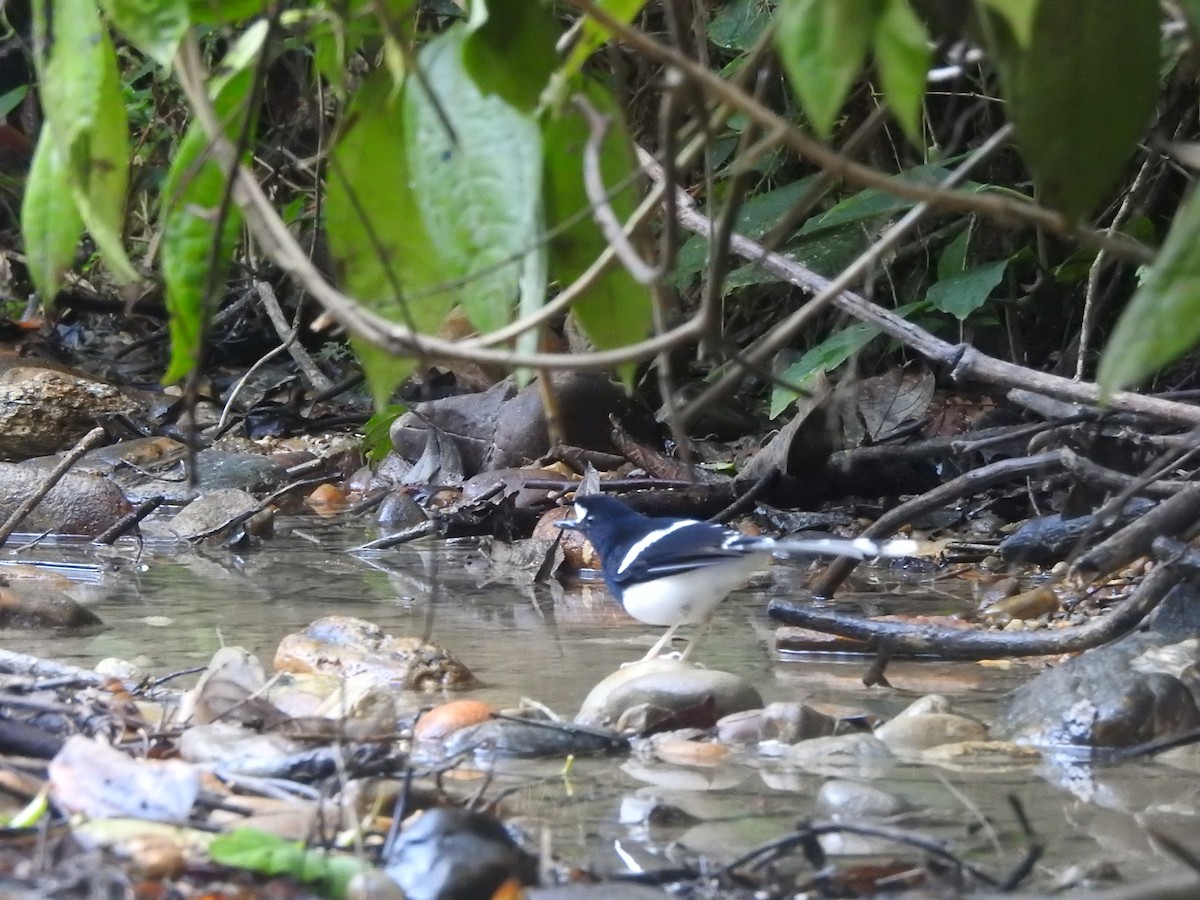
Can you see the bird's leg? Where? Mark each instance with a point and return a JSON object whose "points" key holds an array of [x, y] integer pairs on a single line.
{"points": [[662, 642], [696, 639]]}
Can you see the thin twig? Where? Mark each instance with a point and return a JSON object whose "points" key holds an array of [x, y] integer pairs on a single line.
{"points": [[86, 443], [128, 521], [602, 211], [288, 333]]}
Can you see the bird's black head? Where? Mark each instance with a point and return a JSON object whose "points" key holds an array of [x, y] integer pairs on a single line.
{"points": [[596, 510]]}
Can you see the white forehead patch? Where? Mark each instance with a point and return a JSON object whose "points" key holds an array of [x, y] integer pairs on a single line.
{"points": [[580, 512]]}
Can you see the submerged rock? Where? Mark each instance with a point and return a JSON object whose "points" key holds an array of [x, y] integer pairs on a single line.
{"points": [[344, 646]]}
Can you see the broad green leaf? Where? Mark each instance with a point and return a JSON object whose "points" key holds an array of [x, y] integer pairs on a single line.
{"points": [[196, 248], [50, 223], [616, 310], [1020, 16], [153, 26], [902, 54], [81, 91], [100, 169], [510, 49], [755, 218], [823, 44], [1080, 95], [224, 12], [738, 24], [953, 260], [827, 356], [381, 250], [1162, 321], [476, 167], [871, 203], [377, 433], [963, 293], [592, 35]]}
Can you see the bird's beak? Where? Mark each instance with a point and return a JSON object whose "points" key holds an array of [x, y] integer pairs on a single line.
{"points": [[569, 524]]}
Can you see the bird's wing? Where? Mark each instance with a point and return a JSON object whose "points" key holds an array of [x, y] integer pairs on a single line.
{"points": [[676, 549]]}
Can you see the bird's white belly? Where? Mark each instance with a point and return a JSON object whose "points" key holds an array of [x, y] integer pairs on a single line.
{"points": [[691, 597]]}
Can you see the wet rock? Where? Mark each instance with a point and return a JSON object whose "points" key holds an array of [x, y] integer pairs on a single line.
{"points": [[666, 693], [501, 428], [32, 608], [533, 738], [44, 410], [676, 752], [78, 504], [790, 723], [442, 721], [1110, 696], [914, 733], [1027, 605], [344, 646], [456, 854], [215, 470], [741, 728], [210, 514], [399, 511], [982, 756]]}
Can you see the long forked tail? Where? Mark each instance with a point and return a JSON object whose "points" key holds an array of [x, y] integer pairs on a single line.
{"points": [[857, 548]]}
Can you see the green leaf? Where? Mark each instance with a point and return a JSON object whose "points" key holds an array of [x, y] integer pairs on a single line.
{"points": [[196, 254], [380, 247], [616, 310], [224, 12], [1162, 320], [592, 35], [1080, 95], [827, 356], [823, 44], [903, 55], [510, 50], [81, 92], [962, 294], [757, 216], [953, 260], [153, 26], [871, 203], [10, 100], [738, 24], [269, 854], [476, 167], [50, 223], [1020, 16], [377, 433]]}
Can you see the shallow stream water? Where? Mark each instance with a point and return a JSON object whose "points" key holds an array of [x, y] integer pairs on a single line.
{"points": [[173, 606]]}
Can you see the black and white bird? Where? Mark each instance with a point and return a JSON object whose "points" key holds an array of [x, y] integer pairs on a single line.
{"points": [[673, 572]]}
